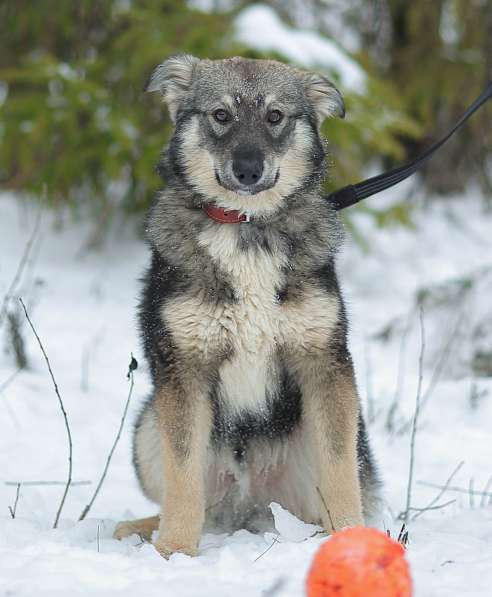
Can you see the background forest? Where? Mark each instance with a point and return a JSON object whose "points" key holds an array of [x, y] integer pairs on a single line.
{"points": [[74, 119]]}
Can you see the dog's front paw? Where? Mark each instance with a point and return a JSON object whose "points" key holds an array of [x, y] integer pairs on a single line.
{"points": [[167, 547]]}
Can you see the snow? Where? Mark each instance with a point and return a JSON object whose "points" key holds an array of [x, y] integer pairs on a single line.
{"points": [[289, 527], [260, 27], [83, 306]]}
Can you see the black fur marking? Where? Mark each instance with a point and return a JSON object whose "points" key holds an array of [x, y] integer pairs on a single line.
{"points": [[281, 416], [327, 277], [282, 294], [368, 473], [161, 282]]}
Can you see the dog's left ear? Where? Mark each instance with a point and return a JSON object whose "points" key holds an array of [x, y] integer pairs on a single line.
{"points": [[324, 96], [173, 79]]}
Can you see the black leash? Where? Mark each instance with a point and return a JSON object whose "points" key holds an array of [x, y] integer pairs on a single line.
{"points": [[352, 194]]}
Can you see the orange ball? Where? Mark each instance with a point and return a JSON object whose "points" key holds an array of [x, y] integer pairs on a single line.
{"points": [[359, 562]]}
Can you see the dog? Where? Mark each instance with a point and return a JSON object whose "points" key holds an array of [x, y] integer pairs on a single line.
{"points": [[242, 319]]}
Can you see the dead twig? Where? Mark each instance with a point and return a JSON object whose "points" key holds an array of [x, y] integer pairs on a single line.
{"points": [[403, 535], [16, 338], [326, 508], [65, 418], [402, 538], [427, 508], [441, 493], [415, 417], [21, 266], [13, 510], [131, 368], [275, 540], [483, 499], [464, 490], [45, 483], [470, 493], [438, 369], [390, 419]]}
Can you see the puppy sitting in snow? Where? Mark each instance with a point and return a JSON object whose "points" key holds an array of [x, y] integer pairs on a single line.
{"points": [[241, 316]]}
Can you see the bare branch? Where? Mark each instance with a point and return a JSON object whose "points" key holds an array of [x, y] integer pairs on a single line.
{"points": [[438, 369], [275, 540], [20, 267], [483, 499], [437, 507], [46, 483], [470, 493], [65, 418], [415, 417], [326, 508], [441, 493], [14, 509], [400, 374], [131, 368], [458, 489]]}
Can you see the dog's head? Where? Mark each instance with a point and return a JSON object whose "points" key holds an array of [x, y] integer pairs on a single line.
{"points": [[247, 131]]}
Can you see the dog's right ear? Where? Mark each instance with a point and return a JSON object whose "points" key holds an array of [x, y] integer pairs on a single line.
{"points": [[173, 79]]}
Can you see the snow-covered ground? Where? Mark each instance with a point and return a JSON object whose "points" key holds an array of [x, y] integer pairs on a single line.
{"points": [[83, 306]]}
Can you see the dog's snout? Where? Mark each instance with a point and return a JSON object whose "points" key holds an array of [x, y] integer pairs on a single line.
{"points": [[247, 164]]}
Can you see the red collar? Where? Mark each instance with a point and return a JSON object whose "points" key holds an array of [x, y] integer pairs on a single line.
{"points": [[225, 216]]}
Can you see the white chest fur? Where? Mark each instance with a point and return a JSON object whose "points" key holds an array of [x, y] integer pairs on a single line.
{"points": [[254, 321], [254, 325]]}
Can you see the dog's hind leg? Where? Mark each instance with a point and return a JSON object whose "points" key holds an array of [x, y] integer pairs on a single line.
{"points": [[144, 527]]}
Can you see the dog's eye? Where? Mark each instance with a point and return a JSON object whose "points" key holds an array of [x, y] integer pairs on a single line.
{"points": [[274, 116], [222, 116]]}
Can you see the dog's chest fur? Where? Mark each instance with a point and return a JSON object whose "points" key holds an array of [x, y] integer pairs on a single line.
{"points": [[251, 328]]}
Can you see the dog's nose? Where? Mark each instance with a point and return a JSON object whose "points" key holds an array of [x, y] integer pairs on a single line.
{"points": [[247, 164]]}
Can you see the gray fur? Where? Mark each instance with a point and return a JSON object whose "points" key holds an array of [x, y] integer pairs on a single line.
{"points": [[244, 325]]}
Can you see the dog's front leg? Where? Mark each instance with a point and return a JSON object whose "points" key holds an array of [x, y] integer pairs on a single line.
{"points": [[330, 409], [184, 418]]}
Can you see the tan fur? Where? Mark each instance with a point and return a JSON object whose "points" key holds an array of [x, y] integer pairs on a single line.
{"points": [[184, 442], [255, 325], [324, 96], [331, 413], [200, 168], [172, 78], [143, 527]]}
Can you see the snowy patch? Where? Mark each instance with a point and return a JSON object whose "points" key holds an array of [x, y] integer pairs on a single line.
{"points": [[260, 27], [290, 527], [83, 305]]}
